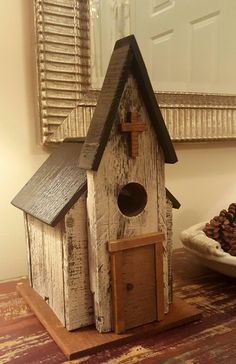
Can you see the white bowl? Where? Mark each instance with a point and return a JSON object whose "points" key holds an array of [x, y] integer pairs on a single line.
{"points": [[208, 251]]}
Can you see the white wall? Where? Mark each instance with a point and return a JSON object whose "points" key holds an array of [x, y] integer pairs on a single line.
{"points": [[203, 180], [20, 150]]}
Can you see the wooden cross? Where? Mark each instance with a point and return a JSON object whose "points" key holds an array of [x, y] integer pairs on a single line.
{"points": [[133, 126]]}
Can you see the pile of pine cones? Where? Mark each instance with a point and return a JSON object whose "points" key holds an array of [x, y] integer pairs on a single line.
{"points": [[222, 228]]}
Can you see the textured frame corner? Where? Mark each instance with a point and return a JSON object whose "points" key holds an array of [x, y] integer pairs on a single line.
{"points": [[67, 102]]}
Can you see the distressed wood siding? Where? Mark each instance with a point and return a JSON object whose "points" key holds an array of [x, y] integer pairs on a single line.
{"points": [[36, 255], [28, 243], [161, 211], [169, 226], [78, 297], [58, 258], [53, 240], [47, 263], [106, 222]]}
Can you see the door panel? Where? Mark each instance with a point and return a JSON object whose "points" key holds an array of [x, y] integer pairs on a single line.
{"points": [[185, 43], [137, 280], [139, 285]]}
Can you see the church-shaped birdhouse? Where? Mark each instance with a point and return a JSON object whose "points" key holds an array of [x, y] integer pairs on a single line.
{"points": [[98, 217]]}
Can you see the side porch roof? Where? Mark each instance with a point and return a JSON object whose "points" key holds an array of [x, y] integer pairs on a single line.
{"points": [[56, 186]]}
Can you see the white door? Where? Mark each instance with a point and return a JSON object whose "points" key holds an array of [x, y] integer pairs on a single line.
{"points": [[187, 45]]}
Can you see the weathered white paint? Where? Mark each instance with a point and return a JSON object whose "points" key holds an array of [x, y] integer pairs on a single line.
{"points": [[47, 263], [37, 256], [27, 239], [106, 222], [161, 210], [169, 226], [59, 266], [53, 240], [78, 297]]}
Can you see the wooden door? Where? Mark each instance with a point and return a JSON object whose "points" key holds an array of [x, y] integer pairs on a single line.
{"points": [[137, 281], [139, 286]]}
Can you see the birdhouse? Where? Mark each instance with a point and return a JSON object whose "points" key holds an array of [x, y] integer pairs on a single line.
{"points": [[98, 216]]}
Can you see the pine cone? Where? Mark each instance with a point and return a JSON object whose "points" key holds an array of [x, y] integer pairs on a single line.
{"points": [[222, 228]]}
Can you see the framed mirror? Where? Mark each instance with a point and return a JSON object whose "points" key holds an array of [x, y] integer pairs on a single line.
{"points": [[188, 60]]}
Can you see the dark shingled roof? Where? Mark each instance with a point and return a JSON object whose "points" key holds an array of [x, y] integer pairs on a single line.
{"points": [[175, 203], [125, 58], [56, 186]]}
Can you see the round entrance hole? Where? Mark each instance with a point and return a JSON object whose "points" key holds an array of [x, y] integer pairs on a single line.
{"points": [[132, 199]]}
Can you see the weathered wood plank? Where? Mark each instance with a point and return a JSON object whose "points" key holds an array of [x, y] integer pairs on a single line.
{"points": [[47, 263], [171, 202], [139, 286], [79, 310], [54, 239], [169, 232], [159, 281], [99, 263], [161, 208], [37, 254], [27, 239], [117, 293], [22, 337], [130, 243]]}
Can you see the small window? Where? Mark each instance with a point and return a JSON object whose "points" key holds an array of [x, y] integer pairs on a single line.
{"points": [[132, 199]]}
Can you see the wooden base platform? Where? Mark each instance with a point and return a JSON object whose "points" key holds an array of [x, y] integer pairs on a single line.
{"points": [[86, 341]]}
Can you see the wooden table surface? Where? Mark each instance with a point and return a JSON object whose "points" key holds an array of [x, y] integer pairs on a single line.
{"points": [[211, 340]]}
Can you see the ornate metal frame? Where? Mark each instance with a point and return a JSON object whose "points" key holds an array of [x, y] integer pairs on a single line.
{"points": [[66, 100]]}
